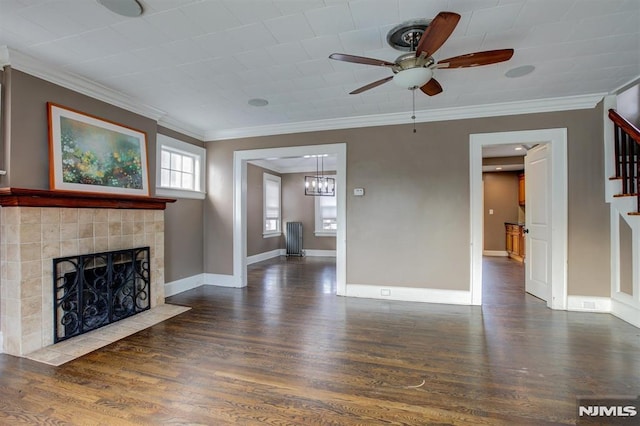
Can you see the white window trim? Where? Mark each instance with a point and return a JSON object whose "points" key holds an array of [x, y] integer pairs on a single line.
{"points": [[269, 177], [163, 141], [318, 231]]}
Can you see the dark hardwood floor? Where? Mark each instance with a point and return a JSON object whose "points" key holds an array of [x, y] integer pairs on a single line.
{"points": [[287, 351]]}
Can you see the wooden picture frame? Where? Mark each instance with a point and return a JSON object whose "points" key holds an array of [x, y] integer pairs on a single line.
{"points": [[90, 154]]}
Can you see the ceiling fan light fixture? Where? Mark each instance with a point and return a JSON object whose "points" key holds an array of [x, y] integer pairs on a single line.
{"points": [[413, 78]]}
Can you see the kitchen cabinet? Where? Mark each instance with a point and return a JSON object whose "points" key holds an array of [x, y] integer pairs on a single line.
{"points": [[515, 245]]}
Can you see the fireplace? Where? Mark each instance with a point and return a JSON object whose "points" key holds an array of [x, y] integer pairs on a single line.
{"points": [[38, 226], [94, 290]]}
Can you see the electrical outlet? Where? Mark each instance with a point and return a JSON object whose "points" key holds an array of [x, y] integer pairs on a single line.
{"points": [[385, 292]]}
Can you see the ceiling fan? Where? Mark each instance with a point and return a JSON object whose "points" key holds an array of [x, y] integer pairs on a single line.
{"points": [[422, 38]]}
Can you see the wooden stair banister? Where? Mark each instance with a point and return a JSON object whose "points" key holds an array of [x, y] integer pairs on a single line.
{"points": [[627, 154]]}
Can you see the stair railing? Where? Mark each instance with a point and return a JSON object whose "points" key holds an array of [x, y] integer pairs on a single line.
{"points": [[627, 154]]}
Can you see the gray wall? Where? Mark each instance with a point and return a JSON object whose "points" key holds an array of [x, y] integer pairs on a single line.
{"points": [[297, 207], [29, 160], [501, 195], [256, 243], [183, 237], [412, 226]]}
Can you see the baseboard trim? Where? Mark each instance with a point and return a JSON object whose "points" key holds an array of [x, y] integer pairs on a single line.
{"points": [[221, 280], [589, 304], [183, 284], [626, 312], [409, 294], [1, 343], [319, 253], [496, 253], [265, 256]]}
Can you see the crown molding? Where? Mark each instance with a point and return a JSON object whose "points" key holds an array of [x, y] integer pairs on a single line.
{"points": [[623, 87], [80, 84], [181, 127], [95, 90], [423, 116]]}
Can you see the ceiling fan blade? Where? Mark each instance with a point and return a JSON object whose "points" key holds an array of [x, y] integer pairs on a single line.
{"points": [[431, 87], [476, 59], [437, 33], [360, 60], [371, 85]]}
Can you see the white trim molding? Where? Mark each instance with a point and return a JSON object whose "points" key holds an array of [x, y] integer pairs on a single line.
{"points": [[625, 306], [557, 139], [1, 343], [240, 160], [183, 284], [319, 253], [199, 156], [588, 304], [409, 294], [629, 312], [222, 280], [260, 257], [423, 116], [611, 187], [80, 84]]}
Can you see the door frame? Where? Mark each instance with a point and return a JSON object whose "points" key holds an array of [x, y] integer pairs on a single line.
{"points": [[557, 140], [240, 159]]}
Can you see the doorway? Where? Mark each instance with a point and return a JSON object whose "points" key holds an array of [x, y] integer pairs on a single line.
{"points": [[240, 159], [557, 211]]}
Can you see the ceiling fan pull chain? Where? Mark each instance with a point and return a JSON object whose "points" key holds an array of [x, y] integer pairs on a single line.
{"points": [[413, 116]]}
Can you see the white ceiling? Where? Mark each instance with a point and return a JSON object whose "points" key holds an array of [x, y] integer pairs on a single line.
{"points": [[505, 150], [309, 163], [197, 63]]}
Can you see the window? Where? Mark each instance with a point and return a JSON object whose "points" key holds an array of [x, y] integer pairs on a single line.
{"points": [[180, 169], [271, 196], [326, 216]]}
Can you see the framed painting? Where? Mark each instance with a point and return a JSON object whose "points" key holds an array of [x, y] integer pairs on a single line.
{"points": [[89, 154]]}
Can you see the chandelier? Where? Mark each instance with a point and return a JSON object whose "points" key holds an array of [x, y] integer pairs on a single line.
{"points": [[319, 185]]}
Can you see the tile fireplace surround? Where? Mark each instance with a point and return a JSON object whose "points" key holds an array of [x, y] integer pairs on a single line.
{"points": [[36, 229]]}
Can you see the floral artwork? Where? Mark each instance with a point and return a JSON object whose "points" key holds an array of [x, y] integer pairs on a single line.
{"points": [[94, 155]]}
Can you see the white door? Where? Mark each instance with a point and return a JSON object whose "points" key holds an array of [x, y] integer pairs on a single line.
{"points": [[537, 167]]}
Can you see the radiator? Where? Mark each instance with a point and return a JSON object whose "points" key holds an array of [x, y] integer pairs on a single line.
{"points": [[294, 239]]}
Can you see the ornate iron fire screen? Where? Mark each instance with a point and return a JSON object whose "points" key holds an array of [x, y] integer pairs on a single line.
{"points": [[93, 290]]}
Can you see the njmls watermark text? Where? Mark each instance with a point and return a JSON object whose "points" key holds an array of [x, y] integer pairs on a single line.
{"points": [[608, 410]]}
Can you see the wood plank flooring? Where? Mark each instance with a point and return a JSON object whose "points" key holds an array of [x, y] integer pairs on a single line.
{"points": [[287, 351]]}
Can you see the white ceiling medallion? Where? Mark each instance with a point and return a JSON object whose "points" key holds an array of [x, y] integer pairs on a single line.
{"points": [[128, 8]]}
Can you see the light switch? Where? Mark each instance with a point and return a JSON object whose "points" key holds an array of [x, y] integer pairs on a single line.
{"points": [[490, 211], [358, 192]]}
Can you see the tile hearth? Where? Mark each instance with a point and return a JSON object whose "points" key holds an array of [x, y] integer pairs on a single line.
{"points": [[73, 348]]}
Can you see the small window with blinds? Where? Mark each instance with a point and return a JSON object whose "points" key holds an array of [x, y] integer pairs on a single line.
{"points": [[272, 209], [326, 210]]}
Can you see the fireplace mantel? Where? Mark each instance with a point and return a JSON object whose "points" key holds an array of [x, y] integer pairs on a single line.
{"points": [[22, 197]]}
